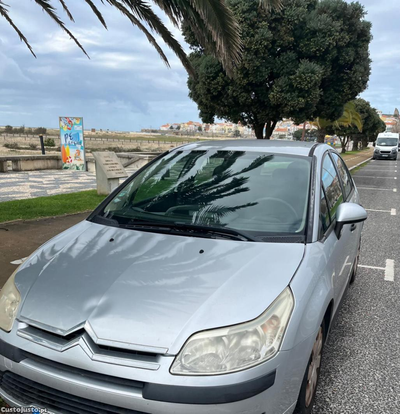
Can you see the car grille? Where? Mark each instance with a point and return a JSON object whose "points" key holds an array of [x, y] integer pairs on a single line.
{"points": [[31, 393], [385, 152]]}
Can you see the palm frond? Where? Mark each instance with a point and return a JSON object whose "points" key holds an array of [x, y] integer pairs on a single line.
{"points": [[144, 12], [136, 22], [223, 28], [271, 4], [96, 11], [51, 12], [66, 9], [4, 13]]}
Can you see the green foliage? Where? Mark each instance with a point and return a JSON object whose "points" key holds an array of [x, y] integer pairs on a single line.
{"points": [[372, 126], [8, 129], [303, 61], [297, 135], [49, 142]]}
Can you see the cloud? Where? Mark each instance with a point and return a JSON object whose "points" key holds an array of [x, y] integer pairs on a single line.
{"points": [[123, 86]]}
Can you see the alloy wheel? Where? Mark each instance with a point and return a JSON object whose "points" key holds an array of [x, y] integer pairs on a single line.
{"points": [[313, 368]]}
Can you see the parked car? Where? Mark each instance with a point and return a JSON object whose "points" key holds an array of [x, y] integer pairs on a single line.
{"points": [[206, 283], [386, 146]]}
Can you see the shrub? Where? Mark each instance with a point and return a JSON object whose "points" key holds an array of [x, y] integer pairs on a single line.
{"points": [[33, 146], [12, 145], [49, 142]]}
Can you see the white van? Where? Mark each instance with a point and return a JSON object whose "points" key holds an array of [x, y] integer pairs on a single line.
{"points": [[386, 146]]}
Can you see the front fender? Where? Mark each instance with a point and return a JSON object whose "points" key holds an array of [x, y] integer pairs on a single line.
{"points": [[313, 290]]}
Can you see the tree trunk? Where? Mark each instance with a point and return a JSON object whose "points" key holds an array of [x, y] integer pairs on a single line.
{"points": [[304, 131], [270, 129], [343, 143], [321, 134], [259, 131]]}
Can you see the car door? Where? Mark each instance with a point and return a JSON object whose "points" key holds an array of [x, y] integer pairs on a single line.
{"points": [[350, 195], [339, 251]]}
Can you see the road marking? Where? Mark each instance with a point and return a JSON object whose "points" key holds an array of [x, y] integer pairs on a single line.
{"points": [[389, 271], [373, 176], [372, 267], [392, 211], [377, 188], [19, 261]]}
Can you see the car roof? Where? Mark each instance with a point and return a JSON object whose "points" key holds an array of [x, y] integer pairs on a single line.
{"points": [[255, 145]]}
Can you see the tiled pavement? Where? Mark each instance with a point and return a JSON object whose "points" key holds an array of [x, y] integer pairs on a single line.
{"points": [[30, 184]]}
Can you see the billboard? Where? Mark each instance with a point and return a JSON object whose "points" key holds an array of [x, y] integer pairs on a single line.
{"points": [[72, 143]]}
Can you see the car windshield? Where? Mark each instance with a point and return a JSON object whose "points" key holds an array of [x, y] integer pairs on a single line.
{"points": [[252, 192], [387, 142]]}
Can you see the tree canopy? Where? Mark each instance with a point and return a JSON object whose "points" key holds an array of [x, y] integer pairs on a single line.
{"points": [[372, 125], [302, 61]]}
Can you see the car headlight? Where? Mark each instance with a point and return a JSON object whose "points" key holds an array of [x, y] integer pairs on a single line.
{"points": [[234, 348], [10, 299]]}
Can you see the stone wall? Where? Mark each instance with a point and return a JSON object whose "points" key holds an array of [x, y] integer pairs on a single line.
{"points": [[97, 143]]}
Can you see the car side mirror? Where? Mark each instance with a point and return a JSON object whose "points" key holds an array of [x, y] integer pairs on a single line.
{"points": [[374, 144], [349, 213]]}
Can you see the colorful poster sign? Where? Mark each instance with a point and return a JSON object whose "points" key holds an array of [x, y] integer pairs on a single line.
{"points": [[72, 144]]}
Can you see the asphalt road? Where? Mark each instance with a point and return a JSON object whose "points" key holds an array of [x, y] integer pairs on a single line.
{"points": [[361, 364]]}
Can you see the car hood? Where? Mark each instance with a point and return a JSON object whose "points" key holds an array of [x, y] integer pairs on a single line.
{"points": [[147, 290]]}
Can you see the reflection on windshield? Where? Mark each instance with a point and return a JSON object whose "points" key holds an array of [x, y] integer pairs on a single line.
{"points": [[246, 191], [387, 142]]}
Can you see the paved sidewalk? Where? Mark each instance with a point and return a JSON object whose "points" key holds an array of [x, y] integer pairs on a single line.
{"points": [[30, 184]]}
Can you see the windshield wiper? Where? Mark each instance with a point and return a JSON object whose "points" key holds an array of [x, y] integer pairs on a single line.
{"points": [[191, 228]]}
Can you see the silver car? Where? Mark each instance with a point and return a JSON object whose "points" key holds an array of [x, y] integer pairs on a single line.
{"points": [[206, 283]]}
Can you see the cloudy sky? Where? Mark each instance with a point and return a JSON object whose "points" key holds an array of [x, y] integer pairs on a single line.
{"points": [[125, 86]]}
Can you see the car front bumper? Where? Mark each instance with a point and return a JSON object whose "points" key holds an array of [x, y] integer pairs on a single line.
{"points": [[35, 376], [389, 156]]}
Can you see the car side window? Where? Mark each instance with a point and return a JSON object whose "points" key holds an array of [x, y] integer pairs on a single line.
{"points": [[332, 187], [344, 175], [324, 214]]}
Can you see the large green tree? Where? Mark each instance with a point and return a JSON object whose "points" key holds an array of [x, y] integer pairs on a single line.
{"points": [[372, 125], [211, 20], [305, 60]]}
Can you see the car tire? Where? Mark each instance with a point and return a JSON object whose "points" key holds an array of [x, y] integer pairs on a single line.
{"points": [[355, 266], [309, 385]]}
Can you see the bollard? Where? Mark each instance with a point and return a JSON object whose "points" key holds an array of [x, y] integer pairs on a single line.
{"points": [[42, 145]]}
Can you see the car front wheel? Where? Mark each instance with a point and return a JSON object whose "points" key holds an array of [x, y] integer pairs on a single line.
{"points": [[310, 381]]}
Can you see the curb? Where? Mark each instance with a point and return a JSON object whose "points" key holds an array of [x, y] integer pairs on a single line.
{"points": [[361, 163]]}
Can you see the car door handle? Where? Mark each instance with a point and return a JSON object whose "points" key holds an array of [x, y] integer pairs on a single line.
{"points": [[353, 227]]}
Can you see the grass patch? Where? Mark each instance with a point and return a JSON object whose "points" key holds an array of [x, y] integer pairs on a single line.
{"points": [[56, 205], [355, 152]]}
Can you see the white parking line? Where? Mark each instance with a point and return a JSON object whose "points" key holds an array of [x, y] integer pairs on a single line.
{"points": [[392, 211], [373, 176], [372, 267], [389, 269], [377, 188]]}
